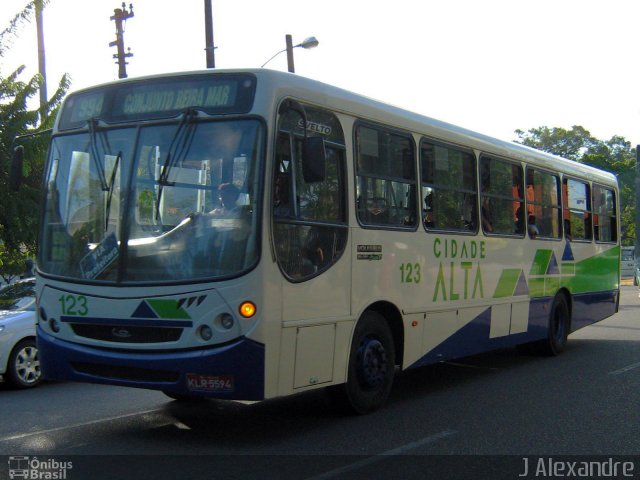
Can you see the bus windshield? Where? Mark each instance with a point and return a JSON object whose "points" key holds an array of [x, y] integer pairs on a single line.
{"points": [[160, 203]]}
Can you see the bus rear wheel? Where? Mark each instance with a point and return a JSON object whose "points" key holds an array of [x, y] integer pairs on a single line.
{"points": [[371, 364], [558, 330]]}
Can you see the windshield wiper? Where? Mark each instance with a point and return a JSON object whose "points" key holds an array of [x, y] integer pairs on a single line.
{"points": [[93, 123], [110, 189], [178, 148]]}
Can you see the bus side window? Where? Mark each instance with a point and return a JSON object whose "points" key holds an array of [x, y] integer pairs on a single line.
{"points": [[543, 204], [448, 188], [502, 204], [576, 212], [386, 178], [605, 222]]}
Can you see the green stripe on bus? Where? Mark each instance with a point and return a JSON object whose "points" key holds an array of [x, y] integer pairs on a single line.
{"points": [[168, 309], [507, 283], [596, 274], [541, 262]]}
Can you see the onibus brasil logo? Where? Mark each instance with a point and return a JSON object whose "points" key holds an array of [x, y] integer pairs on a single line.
{"points": [[38, 469]]}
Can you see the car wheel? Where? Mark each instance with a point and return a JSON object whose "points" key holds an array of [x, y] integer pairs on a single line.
{"points": [[24, 365]]}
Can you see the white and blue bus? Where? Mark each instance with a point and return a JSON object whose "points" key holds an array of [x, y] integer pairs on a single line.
{"points": [[250, 234]]}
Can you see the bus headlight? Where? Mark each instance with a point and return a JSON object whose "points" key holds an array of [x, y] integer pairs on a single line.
{"points": [[55, 326], [205, 333], [225, 321]]}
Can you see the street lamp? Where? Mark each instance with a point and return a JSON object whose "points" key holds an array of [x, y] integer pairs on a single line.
{"points": [[309, 42]]}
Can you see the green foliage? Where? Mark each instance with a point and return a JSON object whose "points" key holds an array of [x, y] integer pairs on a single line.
{"points": [[12, 264], [20, 210], [614, 155], [8, 34]]}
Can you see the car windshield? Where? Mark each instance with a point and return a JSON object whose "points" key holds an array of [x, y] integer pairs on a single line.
{"points": [[18, 296], [160, 203]]}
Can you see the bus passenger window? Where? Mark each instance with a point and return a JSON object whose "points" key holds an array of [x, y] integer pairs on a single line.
{"points": [[576, 212], [605, 225], [449, 181], [386, 178], [502, 204], [543, 204]]}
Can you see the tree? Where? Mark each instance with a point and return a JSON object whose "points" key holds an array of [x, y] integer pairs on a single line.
{"points": [[20, 210], [614, 155]]}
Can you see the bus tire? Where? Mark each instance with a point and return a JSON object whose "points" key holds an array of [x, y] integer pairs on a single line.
{"points": [[558, 329], [371, 364]]}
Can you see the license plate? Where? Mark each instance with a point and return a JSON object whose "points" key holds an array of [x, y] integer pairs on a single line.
{"points": [[209, 383]]}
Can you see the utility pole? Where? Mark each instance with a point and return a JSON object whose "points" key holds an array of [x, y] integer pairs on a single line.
{"points": [[208, 32], [289, 43], [41, 59], [120, 15], [637, 244]]}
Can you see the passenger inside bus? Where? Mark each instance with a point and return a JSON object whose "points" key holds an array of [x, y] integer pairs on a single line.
{"points": [[532, 227], [567, 229], [428, 210], [485, 210], [281, 204], [229, 207]]}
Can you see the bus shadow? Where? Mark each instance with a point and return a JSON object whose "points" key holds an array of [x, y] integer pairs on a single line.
{"points": [[215, 423], [423, 381]]}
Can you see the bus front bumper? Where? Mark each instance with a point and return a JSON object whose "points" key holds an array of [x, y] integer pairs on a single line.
{"points": [[232, 371]]}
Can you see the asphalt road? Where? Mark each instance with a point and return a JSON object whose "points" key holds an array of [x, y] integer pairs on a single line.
{"points": [[489, 411]]}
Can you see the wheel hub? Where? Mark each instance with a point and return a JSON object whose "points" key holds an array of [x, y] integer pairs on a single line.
{"points": [[28, 365], [372, 363]]}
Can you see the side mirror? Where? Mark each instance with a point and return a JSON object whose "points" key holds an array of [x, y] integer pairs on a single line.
{"points": [[17, 163], [314, 160]]}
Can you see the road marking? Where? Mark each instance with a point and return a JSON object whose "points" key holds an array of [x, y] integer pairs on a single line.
{"points": [[76, 425], [382, 456], [625, 369]]}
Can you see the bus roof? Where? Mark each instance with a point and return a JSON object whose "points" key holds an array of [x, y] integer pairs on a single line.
{"points": [[273, 86]]}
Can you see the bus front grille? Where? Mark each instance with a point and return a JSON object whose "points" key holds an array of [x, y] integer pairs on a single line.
{"points": [[128, 334]]}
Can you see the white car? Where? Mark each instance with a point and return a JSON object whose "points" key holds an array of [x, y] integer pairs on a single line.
{"points": [[19, 364]]}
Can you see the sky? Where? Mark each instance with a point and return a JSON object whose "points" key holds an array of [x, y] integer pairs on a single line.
{"points": [[492, 66]]}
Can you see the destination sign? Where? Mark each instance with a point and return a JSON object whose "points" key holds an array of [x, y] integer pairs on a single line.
{"points": [[160, 98]]}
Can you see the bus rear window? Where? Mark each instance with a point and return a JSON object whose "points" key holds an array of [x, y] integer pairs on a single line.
{"points": [[605, 224]]}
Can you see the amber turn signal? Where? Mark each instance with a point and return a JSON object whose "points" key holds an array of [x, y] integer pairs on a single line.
{"points": [[247, 309]]}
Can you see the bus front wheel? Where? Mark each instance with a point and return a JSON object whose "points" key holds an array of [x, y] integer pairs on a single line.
{"points": [[371, 364]]}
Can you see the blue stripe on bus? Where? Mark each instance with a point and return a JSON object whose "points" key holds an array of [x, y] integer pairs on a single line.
{"points": [[242, 362], [146, 322], [592, 307], [474, 338]]}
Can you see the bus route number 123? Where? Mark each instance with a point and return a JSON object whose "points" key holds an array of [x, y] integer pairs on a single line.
{"points": [[410, 273], [74, 305]]}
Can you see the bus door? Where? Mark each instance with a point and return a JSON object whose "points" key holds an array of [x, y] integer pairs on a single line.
{"points": [[310, 235]]}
